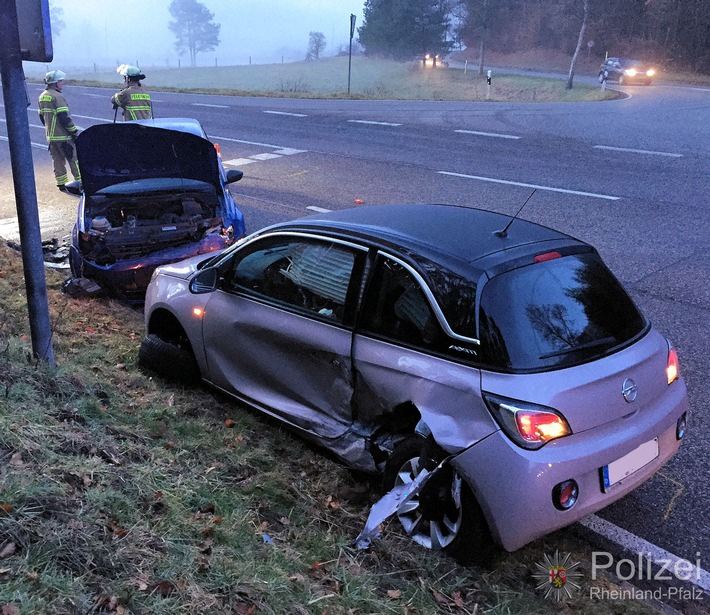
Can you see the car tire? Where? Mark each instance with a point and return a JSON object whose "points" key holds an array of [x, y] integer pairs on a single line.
{"points": [[169, 360], [445, 515]]}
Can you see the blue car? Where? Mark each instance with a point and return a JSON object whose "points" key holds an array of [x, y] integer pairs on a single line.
{"points": [[153, 192]]}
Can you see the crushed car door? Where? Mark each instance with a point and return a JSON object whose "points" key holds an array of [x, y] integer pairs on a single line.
{"points": [[278, 331]]}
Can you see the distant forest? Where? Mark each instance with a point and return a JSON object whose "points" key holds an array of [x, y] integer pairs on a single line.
{"points": [[673, 32]]}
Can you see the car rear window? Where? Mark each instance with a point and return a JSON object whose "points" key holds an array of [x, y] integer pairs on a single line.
{"points": [[555, 313]]}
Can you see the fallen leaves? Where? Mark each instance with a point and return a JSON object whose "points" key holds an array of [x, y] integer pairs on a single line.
{"points": [[7, 549]]}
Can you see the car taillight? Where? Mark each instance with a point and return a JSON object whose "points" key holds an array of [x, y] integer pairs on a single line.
{"points": [[673, 367], [528, 425], [219, 149]]}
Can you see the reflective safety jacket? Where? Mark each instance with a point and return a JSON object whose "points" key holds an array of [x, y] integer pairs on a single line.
{"points": [[54, 114], [135, 101]]}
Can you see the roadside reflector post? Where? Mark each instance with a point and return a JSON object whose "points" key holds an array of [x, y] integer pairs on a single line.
{"points": [[488, 85]]}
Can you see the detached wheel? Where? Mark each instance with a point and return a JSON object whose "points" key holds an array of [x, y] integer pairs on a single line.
{"points": [[169, 359], [445, 514]]}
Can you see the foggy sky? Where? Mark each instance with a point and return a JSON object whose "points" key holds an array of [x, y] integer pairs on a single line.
{"points": [[111, 32]]}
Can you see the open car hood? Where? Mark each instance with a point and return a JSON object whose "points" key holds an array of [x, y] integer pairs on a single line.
{"points": [[110, 154]]}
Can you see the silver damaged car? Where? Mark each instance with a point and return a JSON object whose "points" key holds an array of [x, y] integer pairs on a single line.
{"points": [[400, 336]]}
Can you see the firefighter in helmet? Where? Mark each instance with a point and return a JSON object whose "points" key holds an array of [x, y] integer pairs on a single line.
{"points": [[134, 99], [60, 129]]}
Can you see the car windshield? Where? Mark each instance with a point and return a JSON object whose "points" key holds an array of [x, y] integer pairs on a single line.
{"points": [[555, 314]]}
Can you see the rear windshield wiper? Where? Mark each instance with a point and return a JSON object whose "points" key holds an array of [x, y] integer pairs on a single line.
{"points": [[592, 344]]}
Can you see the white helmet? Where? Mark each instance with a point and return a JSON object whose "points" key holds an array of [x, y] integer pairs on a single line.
{"points": [[53, 76], [130, 72]]}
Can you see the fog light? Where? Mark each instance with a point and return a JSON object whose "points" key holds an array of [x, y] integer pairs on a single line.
{"points": [[565, 495], [680, 426]]}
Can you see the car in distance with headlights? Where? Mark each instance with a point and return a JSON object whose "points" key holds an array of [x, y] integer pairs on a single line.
{"points": [[626, 71], [152, 192], [400, 336]]}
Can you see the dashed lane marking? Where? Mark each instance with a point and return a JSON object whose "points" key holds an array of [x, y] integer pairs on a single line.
{"points": [[486, 134], [538, 187], [286, 113], [373, 123], [638, 151]]}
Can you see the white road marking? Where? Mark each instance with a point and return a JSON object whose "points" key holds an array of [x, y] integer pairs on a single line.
{"points": [[486, 134], [208, 105], [51, 223], [286, 113], [638, 151], [215, 138], [320, 210], [265, 156], [238, 162], [524, 185], [373, 123], [289, 151], [32, 143], [635, 544]]}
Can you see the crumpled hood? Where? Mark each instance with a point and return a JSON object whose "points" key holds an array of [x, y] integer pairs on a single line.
{"points": [[110, 154]]}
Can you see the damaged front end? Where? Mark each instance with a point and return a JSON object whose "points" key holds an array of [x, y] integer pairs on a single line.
{"points": [[149, 196], [124, 237]]}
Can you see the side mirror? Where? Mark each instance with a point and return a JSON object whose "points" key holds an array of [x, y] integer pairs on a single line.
{"points": [[204, 282], [233, 175], [74, 188]]}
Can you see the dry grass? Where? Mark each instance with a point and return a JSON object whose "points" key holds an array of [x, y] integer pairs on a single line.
{"points": [[122, 493]]}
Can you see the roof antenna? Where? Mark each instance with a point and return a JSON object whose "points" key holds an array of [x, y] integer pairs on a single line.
{"points": [[504, 232]]}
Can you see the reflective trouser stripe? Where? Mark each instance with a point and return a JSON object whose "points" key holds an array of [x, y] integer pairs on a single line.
{"points": [[59, 163]]}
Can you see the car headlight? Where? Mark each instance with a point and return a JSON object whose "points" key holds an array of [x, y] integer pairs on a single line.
{"points": [[631, 72], [650, 72]]}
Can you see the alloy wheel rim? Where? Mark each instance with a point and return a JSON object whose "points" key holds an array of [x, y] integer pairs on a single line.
{"points": [[429, 533]]}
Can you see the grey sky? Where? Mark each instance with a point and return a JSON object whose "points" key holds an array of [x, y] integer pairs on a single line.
{"points": [[107, 32]]}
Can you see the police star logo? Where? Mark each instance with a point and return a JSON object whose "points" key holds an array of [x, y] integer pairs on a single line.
{"points": [[557, 576]]}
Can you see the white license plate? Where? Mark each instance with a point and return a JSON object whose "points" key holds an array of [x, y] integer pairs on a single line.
{"points": [[629, 463]]}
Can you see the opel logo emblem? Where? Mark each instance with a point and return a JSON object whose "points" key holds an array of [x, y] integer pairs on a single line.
{"points": [[629, 390]]}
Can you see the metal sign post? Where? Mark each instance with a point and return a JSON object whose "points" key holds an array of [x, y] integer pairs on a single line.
{"points": [[18, 132], [350, 53]]}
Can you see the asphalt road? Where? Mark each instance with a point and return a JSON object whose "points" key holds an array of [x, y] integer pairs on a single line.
{"points": [[629, 176]]}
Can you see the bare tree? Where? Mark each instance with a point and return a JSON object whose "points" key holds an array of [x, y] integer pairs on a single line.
{"points": [[580, 40], [316, 44], [56, 16], [193, 28]]}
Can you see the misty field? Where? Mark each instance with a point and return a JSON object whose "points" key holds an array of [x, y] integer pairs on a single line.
{"points": [[369, 79]]}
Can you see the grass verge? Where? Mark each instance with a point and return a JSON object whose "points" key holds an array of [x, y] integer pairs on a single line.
{"points": [[122, 493]]}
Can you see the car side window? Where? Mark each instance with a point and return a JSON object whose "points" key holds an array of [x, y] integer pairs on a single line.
{"points": [[397, 308], [309, 275]]}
